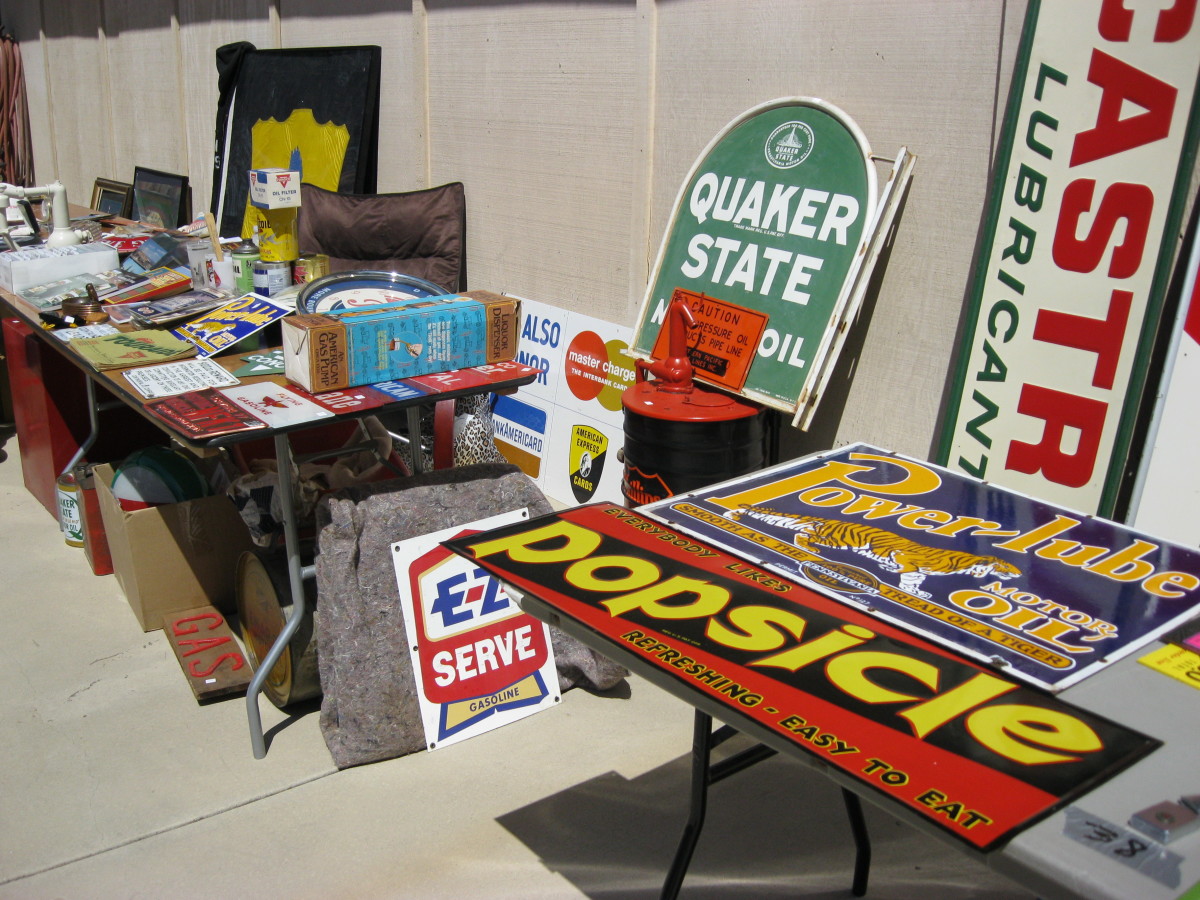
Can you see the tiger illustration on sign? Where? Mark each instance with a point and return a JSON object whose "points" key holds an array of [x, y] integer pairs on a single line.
{"points": [[894, 553]]}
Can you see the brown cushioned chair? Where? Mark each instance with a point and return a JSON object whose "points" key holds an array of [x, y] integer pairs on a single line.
{"points": [[420, 233]]}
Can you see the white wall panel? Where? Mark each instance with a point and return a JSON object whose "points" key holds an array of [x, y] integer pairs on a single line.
{"points": [[921, 74], [76, 91], [139, 36], [205, 25], [533, 106], [387, 24]]}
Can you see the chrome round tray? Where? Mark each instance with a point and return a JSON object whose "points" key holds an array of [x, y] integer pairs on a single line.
{"points": [[345, 291]]}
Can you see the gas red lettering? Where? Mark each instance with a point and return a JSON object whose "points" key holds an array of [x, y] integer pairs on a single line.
{"points": [[201, 644], [235, 658], [189, 624]]}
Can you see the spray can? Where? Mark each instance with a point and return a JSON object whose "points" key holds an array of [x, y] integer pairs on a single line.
{"points": [[244, 256]]}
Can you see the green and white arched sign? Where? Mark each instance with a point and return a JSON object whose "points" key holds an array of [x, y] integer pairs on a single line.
{"points": [[766, 242]]}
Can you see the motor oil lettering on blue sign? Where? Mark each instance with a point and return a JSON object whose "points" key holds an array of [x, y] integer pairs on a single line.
{"points": [[468, 596]]}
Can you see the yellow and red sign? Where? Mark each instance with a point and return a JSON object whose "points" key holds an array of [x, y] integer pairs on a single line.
{"points": [[977, 754]]}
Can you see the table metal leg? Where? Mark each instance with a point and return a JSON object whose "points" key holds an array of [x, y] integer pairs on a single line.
{"points": [[705, 773], [862, 842], [283, 457], [94, 410], [414, 439], [701, 748]]}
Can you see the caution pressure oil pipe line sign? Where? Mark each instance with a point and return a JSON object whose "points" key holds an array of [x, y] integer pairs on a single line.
{"points": [[769, 241], [965, 748], [1097, 151]]}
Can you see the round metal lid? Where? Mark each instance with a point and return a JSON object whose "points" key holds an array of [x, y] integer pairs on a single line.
{"points": [[345, 291]]}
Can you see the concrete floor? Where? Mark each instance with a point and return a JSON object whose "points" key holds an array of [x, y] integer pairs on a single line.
{"points": [[115, 783]]}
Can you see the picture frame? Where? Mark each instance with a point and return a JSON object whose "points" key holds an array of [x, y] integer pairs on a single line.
{"points": [[112, 198], [160, 199]]}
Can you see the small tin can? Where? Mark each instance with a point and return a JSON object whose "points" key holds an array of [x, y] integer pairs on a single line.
{"points": [[271, 277], [70, 520], [277, 234], [310, 267], [244, 256]]}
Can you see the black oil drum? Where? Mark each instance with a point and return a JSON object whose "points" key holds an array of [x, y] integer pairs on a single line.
{"points": [[680, 441]]}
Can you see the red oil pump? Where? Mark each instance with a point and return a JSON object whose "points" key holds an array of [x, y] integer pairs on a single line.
{"points": [[679, 436]]}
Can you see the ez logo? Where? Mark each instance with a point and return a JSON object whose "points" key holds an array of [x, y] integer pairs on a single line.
{"points": [[466, 596]]}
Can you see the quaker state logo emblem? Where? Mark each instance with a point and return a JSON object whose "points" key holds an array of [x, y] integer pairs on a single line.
{"points": [[789, 145]]}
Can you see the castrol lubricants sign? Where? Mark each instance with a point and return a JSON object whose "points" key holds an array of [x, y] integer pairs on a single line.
{"points": [[1078, 246], [478, 661]]}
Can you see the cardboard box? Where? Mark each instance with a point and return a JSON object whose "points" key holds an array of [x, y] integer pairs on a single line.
{"points": [[274, 188], [20, 269], [173, 557], [421, 336]]}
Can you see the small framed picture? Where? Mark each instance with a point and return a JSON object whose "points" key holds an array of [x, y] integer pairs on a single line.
{"points": [[113, 198], [160, 199]]}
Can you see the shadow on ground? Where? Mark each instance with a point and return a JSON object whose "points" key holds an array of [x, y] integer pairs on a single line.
{"points": [[778, 829]]}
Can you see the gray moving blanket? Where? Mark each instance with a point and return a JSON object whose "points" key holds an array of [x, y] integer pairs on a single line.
{"points": [[369, 710]]}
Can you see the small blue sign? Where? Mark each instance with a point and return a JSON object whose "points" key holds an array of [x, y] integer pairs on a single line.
{"points": [[399, 390]]}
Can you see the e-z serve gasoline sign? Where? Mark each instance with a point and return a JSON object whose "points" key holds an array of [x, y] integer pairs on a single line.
{"points": [[772, 219], [478, 661]]}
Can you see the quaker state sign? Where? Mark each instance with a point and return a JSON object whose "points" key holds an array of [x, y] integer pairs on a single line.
{"points": [[770, 223]]}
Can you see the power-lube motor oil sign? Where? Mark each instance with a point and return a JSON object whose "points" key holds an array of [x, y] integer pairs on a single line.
{"points": [[772, 220], [1047, 594], [967, 749]]}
